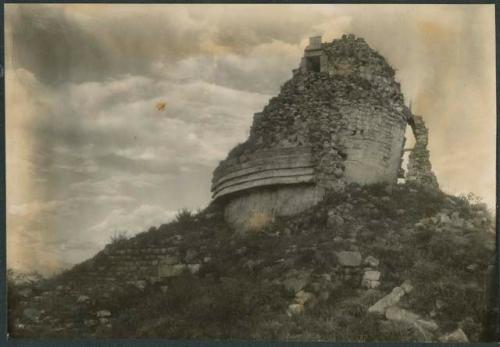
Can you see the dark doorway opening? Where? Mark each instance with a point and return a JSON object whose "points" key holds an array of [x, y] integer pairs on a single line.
{"points": [[313, 64]]}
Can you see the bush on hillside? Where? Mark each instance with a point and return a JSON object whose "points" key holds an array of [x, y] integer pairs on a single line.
{"points": [[184, 217]]}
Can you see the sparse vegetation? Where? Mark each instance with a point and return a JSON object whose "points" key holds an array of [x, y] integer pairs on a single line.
{"points": [[118, 237], [184, 217], [442, 244]]}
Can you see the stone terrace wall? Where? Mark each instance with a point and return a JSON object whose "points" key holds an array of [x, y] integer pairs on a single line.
{"points": [[136, 263]]}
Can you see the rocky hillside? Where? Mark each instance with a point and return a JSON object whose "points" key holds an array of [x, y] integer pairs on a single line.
{"points": [[374, 263]]}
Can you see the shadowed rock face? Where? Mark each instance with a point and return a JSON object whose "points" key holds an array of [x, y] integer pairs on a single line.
{"points": [[340, 119]]}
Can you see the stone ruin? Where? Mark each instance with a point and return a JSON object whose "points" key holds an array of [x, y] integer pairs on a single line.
{"points": [[340, 119]]}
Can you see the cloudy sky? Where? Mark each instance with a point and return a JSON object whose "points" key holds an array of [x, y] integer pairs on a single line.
{"points": [[89, 153]]}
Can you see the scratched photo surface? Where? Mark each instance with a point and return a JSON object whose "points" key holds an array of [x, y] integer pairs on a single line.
{"points": [[260, 172]]}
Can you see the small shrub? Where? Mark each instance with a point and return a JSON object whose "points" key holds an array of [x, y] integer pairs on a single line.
{"points": [[423, 237], [184, 217], [118, 236]]}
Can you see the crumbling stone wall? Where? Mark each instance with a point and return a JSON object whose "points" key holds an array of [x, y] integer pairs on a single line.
{"points": [[342, 110], [419, 164], [135, 263]]}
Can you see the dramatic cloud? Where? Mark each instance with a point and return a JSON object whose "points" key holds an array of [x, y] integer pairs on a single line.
{"points": [[89, 151]]}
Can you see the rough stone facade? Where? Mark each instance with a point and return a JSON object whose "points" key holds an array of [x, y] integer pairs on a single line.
{"points": [[419, 164], [340, 119], [134, 263]]}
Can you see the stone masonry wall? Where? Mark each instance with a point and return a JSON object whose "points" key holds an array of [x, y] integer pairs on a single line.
{"points": [[136, 263], [346, 116], [419, 164], [266, 167], [258, 207], [374, 147]]}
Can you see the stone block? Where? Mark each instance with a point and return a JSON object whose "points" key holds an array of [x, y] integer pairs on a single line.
{"points": [[372, 275], [297, 281], [171, 270], [350, 259], [32, 314], [370, 284], [169, 260], [371, 261], [295, 309], [194, 268], [103, 314], [387, 301], [407, 286], [395, 313], [302, 297], [457, 336], [82, 299]]}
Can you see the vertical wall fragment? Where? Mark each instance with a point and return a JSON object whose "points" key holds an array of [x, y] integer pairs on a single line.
{"points": [[419, 164]]}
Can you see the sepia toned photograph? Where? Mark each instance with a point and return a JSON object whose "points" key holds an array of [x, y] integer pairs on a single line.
{"points": [[255, 172]]}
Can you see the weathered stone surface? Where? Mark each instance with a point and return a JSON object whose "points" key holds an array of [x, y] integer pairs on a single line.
{"points": [[171, 270], [265, 167], [334, 220], [324, 296], [428, 325], [295, 309], [141, 284], [104, 321], [399, 314], [90, 322], [370, 284], [296, 281], [372, 261], [302, 297], [426, 328], [257, 208], [338, 121], [351, 259], [407, 286], [419, 164], [169, 260], [191, 255], [372, 275], [82, 299], [457, 336], [472, 267], [32, 314], [326, 277], [371, 279], [387, 301], [194, 268], [26, 292], [103, 314]]}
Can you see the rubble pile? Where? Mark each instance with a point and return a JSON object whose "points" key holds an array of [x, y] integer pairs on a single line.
{"points": [[340, 264]]}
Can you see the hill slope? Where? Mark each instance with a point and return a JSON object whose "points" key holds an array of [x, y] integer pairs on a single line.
{"points": [[374, 263]]}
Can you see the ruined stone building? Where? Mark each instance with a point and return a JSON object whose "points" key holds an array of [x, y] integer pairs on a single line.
{"points": [[341, 118]]}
